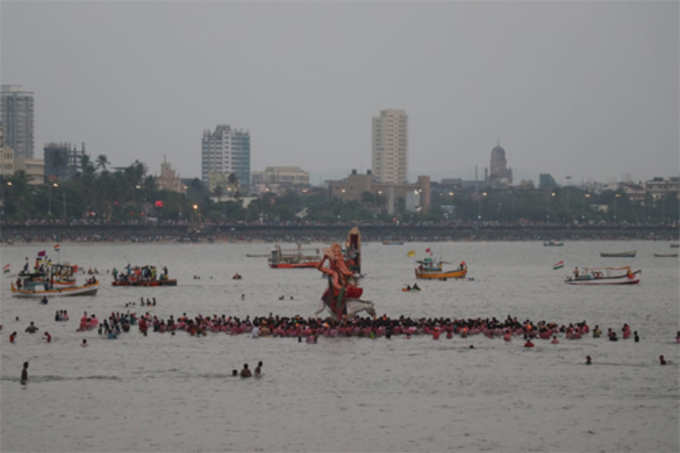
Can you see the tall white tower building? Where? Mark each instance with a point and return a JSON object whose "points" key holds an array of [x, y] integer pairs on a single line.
{"points": [[390, 146], [223, 152]]}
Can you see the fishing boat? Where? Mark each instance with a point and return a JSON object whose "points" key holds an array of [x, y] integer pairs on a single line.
{"points": [[146, 276], [629, 254], [552, 243], [665, 255], [431, 270], [160, 282], [293, 259], [31, 288], [604, 276], [558, 265]]}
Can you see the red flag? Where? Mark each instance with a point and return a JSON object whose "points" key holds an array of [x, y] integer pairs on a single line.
{"points": [[41, 253]]}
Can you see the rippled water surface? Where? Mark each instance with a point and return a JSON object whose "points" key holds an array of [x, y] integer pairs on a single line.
{"points": [[175, 393]]}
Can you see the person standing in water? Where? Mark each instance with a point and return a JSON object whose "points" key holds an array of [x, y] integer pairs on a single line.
{"points": [[24, 374]]}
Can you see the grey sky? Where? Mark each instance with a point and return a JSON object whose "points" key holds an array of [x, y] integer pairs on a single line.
{"points": [[582, 89]]}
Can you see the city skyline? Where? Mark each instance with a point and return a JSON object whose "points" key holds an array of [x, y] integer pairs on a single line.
{"points": [[582, 90]]}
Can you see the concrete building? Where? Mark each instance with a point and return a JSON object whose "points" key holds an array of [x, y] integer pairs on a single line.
{"points": [[658, 187], [16, 115], [499, 173], [6, 157], [223, 152], [169, 179], [34, 169], [390, 147], [62, 161], [416, 196]]}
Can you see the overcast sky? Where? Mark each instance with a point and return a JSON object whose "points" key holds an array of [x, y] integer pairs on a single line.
{"points": [[588, 90]]}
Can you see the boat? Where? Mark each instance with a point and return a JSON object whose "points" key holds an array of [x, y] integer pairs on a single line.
{"points": [[629, 254], [429, 270], [605, 276], [552, 243], [558, 265], [293, 259], [391, 242], [665, 255], [32, 289], [146, 276], [166, 282]]}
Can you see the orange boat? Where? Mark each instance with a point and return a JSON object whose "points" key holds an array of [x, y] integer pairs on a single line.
{"points": [[293, 259], [428, 270]]}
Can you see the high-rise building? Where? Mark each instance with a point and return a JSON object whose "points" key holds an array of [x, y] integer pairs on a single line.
{"points": [[390, 146], [499, 172], [16, 114], [224, 152]]}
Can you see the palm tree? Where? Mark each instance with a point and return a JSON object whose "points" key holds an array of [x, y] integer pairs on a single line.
{"points": [[102, 162]]}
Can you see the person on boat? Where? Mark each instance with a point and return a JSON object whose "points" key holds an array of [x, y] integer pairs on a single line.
{"points": [[576, 272], [12, 336], [24, 374], [258, 369], [18, 283], [31, 328], [416, 287], [462, 265], [48, 337], [408, 287], [245, 372]]}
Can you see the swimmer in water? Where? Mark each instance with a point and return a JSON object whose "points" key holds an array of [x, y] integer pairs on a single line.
{"points": [[588, 360], [12, 336], [258, 369], [234, 372], [48, 337], [24, 374], [662, 360], [245, 372], [84, 343]]}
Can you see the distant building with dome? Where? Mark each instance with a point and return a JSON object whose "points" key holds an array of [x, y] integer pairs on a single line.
{"points": [[498, 173]]}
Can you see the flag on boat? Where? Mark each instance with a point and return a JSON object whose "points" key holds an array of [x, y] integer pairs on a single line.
{"points": [[411, 253], [5, 268], [57, 247], [42, 253], [558, 265], [428, 250]]}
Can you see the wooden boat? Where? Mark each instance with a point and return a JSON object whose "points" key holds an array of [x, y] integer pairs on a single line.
{"points": [[629, 254], [430, 270], [293, 259], [665, 255], [89, 289], [552, 244], [167, 282], [605, 276]]}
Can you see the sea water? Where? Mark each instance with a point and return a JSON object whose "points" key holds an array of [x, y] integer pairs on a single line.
{"points": [[176, 393]]}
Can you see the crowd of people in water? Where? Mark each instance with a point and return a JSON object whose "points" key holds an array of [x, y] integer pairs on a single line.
{"points": [[311, 328]]}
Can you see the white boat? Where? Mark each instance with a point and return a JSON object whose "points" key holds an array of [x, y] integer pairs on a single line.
{"points": [[605, 276]]}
